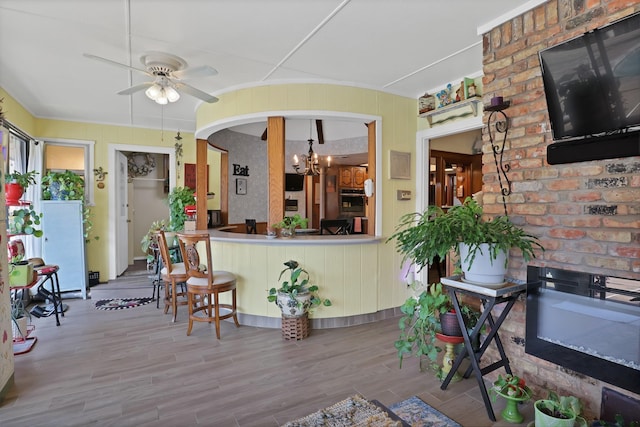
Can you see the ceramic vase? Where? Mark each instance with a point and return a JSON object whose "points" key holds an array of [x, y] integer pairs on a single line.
{"points": [[483, 270], [294, 307]]}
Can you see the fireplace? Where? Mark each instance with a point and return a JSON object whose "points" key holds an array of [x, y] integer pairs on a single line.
{"points": [[585, 322]]}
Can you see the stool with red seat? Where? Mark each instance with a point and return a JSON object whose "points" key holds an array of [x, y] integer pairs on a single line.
{"points": [[49, 273]]}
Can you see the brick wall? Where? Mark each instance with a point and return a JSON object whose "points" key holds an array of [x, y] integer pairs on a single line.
{"points": [[586, 214]]}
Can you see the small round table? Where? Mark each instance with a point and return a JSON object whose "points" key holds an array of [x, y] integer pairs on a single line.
{"points": [[449, 355]]}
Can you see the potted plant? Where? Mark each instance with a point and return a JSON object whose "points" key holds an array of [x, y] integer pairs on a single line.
{"points": [[24, 221], [16, 183], [288, 225], [424, 238], [617, 422], [149, 241], [296, 296], [420, 322], [178, 198], [558, 411], [65, 185], [515, 391]]}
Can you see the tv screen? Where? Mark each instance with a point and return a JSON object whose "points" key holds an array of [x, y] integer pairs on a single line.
{"points": [[592, 82], [293, 182]]}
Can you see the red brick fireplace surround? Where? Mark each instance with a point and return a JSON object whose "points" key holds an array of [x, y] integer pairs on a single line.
{"points": [[586, 214]]}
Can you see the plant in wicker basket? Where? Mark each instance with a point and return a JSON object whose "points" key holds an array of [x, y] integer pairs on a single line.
{"points": [[296, 296]]}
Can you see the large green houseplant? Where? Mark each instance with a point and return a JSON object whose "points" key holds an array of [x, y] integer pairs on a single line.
{"points": [[425, 238], [296, 295], [178, 198], [65, 185]]}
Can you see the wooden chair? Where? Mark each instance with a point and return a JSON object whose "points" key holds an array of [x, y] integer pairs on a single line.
{"points": [[335, 226], [204, 285], [172, 274], [251, 226]]}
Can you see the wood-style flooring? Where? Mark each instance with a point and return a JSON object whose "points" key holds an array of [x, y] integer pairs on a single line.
{"points": [[135, 367]]}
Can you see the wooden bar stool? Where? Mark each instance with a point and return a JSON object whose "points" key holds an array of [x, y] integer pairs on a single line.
{"points": [[204, 285], [172, 274]]}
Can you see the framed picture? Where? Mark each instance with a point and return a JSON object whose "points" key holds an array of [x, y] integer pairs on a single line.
{"points": [[241, 186], [399, 165]]}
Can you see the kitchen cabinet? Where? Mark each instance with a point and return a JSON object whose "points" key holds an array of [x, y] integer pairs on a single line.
{"points": [[352, 176], [64, 244]]}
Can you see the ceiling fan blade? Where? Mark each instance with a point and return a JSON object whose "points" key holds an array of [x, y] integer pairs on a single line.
{"points": [[196, 92], [320, 132], [135, 88], [117, 64], [194, 72]]}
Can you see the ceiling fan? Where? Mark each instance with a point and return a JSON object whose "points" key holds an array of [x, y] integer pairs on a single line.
{"points": [[168, 72]]}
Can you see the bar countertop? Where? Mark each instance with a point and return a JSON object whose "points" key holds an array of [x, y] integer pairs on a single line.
{"points": [[300, 239]]}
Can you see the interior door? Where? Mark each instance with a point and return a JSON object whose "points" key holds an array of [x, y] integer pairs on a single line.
{"points": [[122, 215]]}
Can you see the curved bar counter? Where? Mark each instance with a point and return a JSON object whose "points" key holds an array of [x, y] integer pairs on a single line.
{"points": [[345, 268]]}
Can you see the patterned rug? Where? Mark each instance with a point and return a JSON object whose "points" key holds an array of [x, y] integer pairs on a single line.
{"points": [[418, 414], [358, 411], [121, 303]]}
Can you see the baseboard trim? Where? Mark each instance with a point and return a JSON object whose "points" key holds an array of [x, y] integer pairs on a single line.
{"points": [[322, 323]]}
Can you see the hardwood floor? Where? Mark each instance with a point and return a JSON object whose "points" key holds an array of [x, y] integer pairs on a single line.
{"points": [[135, 367]]}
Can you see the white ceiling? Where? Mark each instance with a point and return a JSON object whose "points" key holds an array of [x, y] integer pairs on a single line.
{"points": [[405, 47]]}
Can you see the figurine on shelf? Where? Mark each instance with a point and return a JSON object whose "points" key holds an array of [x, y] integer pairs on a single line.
{"points": [[444, 96]]}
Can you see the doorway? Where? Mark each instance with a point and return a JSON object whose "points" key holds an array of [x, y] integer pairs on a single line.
{"points": [[120, 239], [424, 140]]}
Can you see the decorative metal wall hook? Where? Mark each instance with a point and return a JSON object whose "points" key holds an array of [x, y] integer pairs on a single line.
{"points": [[497, 124]]}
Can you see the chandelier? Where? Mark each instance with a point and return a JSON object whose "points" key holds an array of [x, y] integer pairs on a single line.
{"points": [[311, 163], [162, 91]]}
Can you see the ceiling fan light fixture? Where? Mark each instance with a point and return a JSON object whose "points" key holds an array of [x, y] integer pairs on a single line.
{"points": [[172, 94], [162, 98], [153, 91]]}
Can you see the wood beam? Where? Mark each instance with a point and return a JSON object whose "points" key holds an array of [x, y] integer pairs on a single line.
{"points": [[370, 211], [201, 184], [275, 158]]}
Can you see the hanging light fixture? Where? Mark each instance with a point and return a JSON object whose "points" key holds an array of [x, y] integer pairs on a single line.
{"points": [[162, 92], [311, 163]]}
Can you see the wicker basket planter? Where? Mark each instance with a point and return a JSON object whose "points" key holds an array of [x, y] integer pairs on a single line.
{"points": [[295, 328]]}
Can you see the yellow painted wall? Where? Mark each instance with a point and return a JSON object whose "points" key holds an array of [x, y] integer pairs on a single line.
{"points": [[399, 126]]}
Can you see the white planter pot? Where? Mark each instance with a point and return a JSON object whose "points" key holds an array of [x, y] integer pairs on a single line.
{"points": [[483, 269], [294, 307], [542, 419], [22, 324]]}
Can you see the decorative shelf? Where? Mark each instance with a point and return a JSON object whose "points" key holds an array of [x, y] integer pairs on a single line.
{"points": [[466, 107]]}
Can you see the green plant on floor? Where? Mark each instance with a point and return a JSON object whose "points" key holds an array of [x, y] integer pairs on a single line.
{"points": [[617, 422], [178, 198], [149, 240], [420, 322]]}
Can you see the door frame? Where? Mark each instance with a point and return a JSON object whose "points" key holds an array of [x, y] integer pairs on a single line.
{"points": [[113, 244]]}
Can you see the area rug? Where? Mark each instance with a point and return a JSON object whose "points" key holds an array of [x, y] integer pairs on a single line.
{"points": [[121, 303], [355, 411], [418, 414]]}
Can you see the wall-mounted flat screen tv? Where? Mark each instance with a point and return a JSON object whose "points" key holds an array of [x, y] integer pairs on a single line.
{"points": [[592, 88], [293, 182]]}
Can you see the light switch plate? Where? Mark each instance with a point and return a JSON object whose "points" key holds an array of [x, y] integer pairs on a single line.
{"points": [[404, 195]]}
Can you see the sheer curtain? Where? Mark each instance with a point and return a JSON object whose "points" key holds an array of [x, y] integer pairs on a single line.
{"points": [[33, 245], [15, 154]]}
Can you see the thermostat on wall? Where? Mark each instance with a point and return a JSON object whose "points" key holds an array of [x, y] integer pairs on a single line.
{"points": [[404, 195]]}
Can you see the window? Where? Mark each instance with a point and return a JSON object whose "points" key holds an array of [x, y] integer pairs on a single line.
{"points": [[73, 155]]}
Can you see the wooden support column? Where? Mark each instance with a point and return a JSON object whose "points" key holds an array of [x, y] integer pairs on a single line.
{"points": [[370, 211], [201, 184], [275, 157]]}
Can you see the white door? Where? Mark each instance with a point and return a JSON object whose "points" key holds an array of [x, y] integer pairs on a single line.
{"points": [[122, 215]]}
